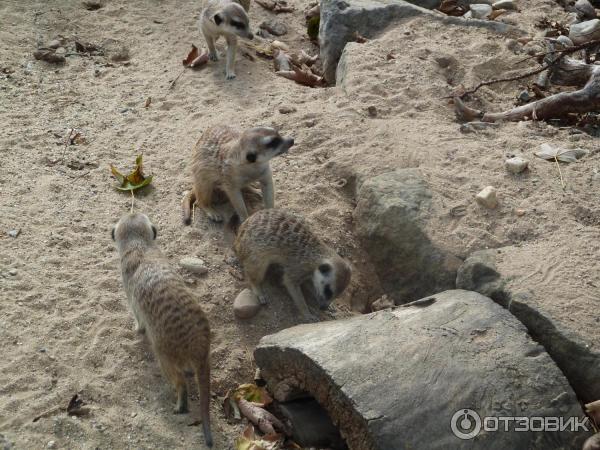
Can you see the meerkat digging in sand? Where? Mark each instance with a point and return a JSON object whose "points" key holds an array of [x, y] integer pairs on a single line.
{"points": [[228, 160], [274, 236], [166, 311], [224, 18]]}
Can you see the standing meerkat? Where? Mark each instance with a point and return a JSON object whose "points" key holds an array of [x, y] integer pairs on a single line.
{"points": [[224, 18], [228, 160], [275, 236], [166, 311]]}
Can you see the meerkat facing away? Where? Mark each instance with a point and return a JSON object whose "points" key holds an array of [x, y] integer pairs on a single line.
{"points": [[275, 236], [228, 160], [224, 18], [166, 311]]}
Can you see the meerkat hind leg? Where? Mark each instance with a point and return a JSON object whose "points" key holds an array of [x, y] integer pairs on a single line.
{"points": [[204, 197], [177, 378]]}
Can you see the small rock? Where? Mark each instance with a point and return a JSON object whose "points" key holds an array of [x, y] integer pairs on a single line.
{"points": [[504, 4], [480, 11], [516, 164], [14, 233], [585, 10], [194, 265], [54, 43], [12, 272], [287, 109], [583, 32], [372, 110], [246, 305], [49, 55], [274, 27], [520, 212], [524, 96], [487, 198], [564, 41], [51, 444], [383, 302], [93, 5]]}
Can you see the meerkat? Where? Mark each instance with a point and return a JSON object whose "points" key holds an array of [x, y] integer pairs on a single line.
{"points": [[166, 311], [224, 18], [275, 236], [228, 160]]}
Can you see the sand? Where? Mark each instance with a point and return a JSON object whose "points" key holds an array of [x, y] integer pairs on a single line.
{"points": [[64, 327]]}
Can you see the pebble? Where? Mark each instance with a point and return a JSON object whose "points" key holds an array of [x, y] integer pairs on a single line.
{"points": [[287, 109], [585, 31], [14, 233], [54, 43], [564, 41], [372, 110], [274, 27], [194, 265], [51, 444], [12, 272], [480, 10], [487, 197], [246, 305], [504, 4], [516, 164], [524, 96]]}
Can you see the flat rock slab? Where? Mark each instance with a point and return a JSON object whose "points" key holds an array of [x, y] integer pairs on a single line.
{"points": [[551, 289], [394, 379]]}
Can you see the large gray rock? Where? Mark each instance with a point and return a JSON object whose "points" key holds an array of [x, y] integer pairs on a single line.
{"points": [[394, 379], [541, 308], [391, 216], [342, 19]]}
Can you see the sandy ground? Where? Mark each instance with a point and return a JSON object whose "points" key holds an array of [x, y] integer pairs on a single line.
{"points": [[64, 327]]}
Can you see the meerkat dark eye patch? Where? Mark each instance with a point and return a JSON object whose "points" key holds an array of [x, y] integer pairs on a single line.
{"points": [[251, 157], [218, 19], [236, 24], [324, 269], [112, 233], [155, 231], [275, 142], [328, 292]]}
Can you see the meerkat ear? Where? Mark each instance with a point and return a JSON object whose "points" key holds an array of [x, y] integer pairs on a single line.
{"points": [[112, 233], [325, 268], [218, 19], [155, 231]]}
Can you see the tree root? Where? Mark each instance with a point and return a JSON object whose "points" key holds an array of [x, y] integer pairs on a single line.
{"points": [[567, 72]]}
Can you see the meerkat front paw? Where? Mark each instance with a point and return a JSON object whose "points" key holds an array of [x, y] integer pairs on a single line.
{"points": [[214, 215], [181, 409], [213, 56], [230, 75]]}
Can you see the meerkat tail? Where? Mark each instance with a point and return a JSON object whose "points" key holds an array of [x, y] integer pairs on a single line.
{"points": [[188, 201], [203, 381]]}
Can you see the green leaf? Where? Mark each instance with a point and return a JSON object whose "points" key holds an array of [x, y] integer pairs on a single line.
{"points": [[134, 180]]}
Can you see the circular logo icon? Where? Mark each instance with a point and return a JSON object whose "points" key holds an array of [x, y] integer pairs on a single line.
{"points": [[465, 424]]}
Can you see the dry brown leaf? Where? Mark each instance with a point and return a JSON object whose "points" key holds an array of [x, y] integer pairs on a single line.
{"points": [[266, 422], [192, 55], [496, 13], [148, 102], [302, 76], [593, 410]]}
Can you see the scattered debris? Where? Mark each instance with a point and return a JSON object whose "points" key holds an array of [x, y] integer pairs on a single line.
{"points": [[277, 6], [148, 102], [134, 180], [75, 407], [287, 109], [193, 60], [359, 38], [487, 198], [452, 8], [383, 302], [14, 233], [249, 441], [88, 48], [372, 111], [93, 5]]}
